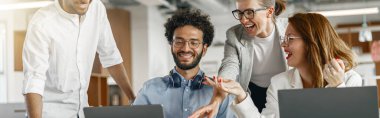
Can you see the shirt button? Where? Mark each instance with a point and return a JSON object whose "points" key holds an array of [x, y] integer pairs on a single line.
{"points": [[185, 109], [187, 89]]}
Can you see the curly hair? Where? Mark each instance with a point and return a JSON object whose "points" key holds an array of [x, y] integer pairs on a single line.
{"points": [[193, 17]]}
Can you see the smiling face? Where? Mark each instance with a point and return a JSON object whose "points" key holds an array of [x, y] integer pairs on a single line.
{"points": [[188, 55], [79, 7], [294, 48], [259, 24]]}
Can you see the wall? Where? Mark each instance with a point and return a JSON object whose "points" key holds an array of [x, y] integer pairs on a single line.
{"points": [[11, 86], [160, 57], [7, 19], [150, 50], [212, 60], [139, 37]]}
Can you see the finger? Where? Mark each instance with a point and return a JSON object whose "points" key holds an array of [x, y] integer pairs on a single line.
{"points": [[227, 80], [327, 71], [205, 81], [324, 72], [210, 82], [212, 114], [341, 64], [335, 65], [200, 112]]}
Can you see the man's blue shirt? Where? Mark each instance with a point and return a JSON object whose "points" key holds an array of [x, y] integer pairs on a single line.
{"points": [[178, 102]]}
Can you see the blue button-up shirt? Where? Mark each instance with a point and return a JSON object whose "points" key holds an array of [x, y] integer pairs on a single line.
{"points": [[179, 102]]}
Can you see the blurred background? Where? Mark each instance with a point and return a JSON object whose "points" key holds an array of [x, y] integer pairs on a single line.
{"points": [[138, 30]]}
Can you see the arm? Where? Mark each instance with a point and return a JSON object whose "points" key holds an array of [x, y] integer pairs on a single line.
{"points": [[228, 70], [34, 105], [119, 74], [247, 109], [110, 56], [35, 62]]}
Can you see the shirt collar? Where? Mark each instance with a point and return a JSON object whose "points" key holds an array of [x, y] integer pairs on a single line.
{"points": [[63, 12], [295, 77], [183, 80]]}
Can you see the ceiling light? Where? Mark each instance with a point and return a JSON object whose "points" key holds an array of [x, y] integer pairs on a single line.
{"points": [[350, 12], [24, 5], [365, 34]]}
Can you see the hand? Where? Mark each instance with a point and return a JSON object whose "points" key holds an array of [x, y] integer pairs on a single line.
{"points": [[225, 85], [212, 108], [221, 89], [209, 110], [333, 72]]}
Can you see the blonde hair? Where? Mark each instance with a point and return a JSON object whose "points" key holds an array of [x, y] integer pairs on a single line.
{"points": [[322, 44], [279, 5]]}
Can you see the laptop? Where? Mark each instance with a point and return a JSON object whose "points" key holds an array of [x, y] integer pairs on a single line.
{"points": [[135, 111], [350, 102], [13, 110]]}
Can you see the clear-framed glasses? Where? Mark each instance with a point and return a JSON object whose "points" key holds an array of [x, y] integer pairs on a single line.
{"points": [[192, 43], [288, 39], [248, 13]]}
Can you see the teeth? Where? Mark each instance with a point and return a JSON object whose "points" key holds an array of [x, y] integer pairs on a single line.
{"points": [[248, 26], [185, 54]]}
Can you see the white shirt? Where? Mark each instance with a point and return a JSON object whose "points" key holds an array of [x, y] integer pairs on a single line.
{"points": [[267, 60], [287, 80], [58, 56]]}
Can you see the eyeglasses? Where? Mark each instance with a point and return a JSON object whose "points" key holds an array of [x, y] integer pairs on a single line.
{"points": [[248, 13], [288, 39], [192, 43]]}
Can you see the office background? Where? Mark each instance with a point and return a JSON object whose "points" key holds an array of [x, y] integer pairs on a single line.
{"points": [[138, 29]]}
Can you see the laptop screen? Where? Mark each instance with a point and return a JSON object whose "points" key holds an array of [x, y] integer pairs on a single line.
{"points": [[350, 102]]}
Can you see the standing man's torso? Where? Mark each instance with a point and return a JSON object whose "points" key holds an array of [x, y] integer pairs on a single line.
{"points": [[72, 44]]}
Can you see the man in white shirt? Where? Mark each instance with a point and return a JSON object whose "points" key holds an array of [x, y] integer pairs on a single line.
{"points": [[59, 50]]}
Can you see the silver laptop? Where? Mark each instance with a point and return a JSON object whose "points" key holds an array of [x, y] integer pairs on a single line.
{"points": [[135, 111], [13, 110], [350, 102]]}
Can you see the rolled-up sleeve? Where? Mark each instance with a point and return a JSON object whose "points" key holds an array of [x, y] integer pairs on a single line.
{"points": [[109, 54], [35, 59]]}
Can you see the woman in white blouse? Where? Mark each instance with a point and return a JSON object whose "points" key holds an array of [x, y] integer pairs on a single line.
{"points": [[319, 57]]}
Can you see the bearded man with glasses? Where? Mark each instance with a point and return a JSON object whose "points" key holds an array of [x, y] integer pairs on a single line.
{"points": [[189, 33]]}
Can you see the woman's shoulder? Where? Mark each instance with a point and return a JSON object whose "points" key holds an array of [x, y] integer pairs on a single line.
{"points": [[235, 29], [234, 34], [351, 74], [283, 77]]}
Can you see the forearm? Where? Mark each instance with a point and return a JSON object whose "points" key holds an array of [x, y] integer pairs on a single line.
{"points": [[242, 96], [218, 97], [119, 74], [34, 105]]}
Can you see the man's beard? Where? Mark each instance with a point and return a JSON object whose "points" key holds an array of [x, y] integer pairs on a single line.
{"points": [[189, 66]]}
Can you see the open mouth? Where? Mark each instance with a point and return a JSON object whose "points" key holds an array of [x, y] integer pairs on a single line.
{"points": [[289, 54], [185, 56], [250, 27]]}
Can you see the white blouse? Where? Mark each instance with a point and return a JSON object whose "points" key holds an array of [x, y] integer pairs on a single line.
{"points": [[287, 80]]}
